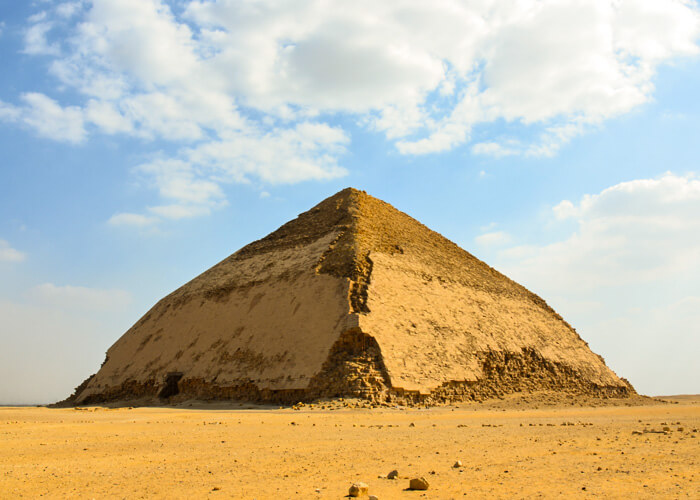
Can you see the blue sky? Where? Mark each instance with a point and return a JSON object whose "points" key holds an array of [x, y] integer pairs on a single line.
{"points": [[143, 141]]}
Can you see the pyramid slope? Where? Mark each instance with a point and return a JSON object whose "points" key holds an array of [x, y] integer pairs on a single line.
{"points": [[356, 298]]}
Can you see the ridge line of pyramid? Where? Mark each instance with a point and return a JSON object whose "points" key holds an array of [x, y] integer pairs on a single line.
{"points": [[366, 224]]}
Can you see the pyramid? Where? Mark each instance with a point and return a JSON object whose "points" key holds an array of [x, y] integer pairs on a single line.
{"points": [[352, 298]]}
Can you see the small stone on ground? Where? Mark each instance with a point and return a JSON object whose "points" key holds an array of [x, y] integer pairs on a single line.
{"points": [[418, 483], [358, 489]]}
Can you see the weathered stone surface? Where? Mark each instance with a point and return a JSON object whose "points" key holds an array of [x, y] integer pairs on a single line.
{"points": [[352, 298], [358, 490], [418, 483]]}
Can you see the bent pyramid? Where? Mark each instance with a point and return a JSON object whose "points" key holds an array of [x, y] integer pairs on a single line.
{"points": [[352, 298]]}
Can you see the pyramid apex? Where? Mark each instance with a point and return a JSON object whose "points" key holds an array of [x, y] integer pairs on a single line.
{"points": [[350, 191]]}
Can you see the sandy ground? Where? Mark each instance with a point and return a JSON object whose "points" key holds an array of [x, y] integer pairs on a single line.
{"points": [[607, 452]]}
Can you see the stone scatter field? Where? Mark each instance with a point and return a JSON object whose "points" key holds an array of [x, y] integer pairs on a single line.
{"points": [[223, 452]]}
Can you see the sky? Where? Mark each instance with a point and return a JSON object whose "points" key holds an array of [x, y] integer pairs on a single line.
{"points": [[142, 141]]}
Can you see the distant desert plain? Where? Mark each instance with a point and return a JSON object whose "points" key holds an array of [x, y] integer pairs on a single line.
{"points": [[516, 447]]}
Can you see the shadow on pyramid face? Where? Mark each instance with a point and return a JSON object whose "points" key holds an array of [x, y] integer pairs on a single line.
{"points": [[171, 387]]}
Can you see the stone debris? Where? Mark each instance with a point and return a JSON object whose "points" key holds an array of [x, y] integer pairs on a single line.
{"points": [[418, 483], [394, 474], [358, 490], [457, 464]]}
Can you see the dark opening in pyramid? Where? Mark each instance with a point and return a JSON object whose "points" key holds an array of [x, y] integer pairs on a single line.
{"points": [[352, 298]]}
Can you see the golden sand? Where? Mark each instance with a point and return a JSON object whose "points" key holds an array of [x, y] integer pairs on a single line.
{"points": [[217, 452]]}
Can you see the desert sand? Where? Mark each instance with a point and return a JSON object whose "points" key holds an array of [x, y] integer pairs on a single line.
{"points": [[507, 450]]}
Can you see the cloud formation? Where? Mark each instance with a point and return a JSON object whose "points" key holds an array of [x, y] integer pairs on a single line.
{"points": [[9, 254], [249, 91], [640, 231], [627, 276], [494, 238]]}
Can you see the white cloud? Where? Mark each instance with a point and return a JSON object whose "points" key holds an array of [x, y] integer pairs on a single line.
{"points": [[627, 276], [143, 39], [91, 80], [180, 211], [193, 180], [494, 149], [38, 17], [9, 112], [564, 210], [235, 83], [130, 219], [557, 63], [398, 121], [307, 151], [47, 118], [80, 298], [445, 138], [654, 30], [105, 115], [174, 178], [494, 238], [35, 41], [9, 254], [547, 144], [50, 120], [68, 9], [634, 232]]}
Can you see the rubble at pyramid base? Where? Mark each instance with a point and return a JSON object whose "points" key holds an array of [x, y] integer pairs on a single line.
{"points": [[355, 369]]}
